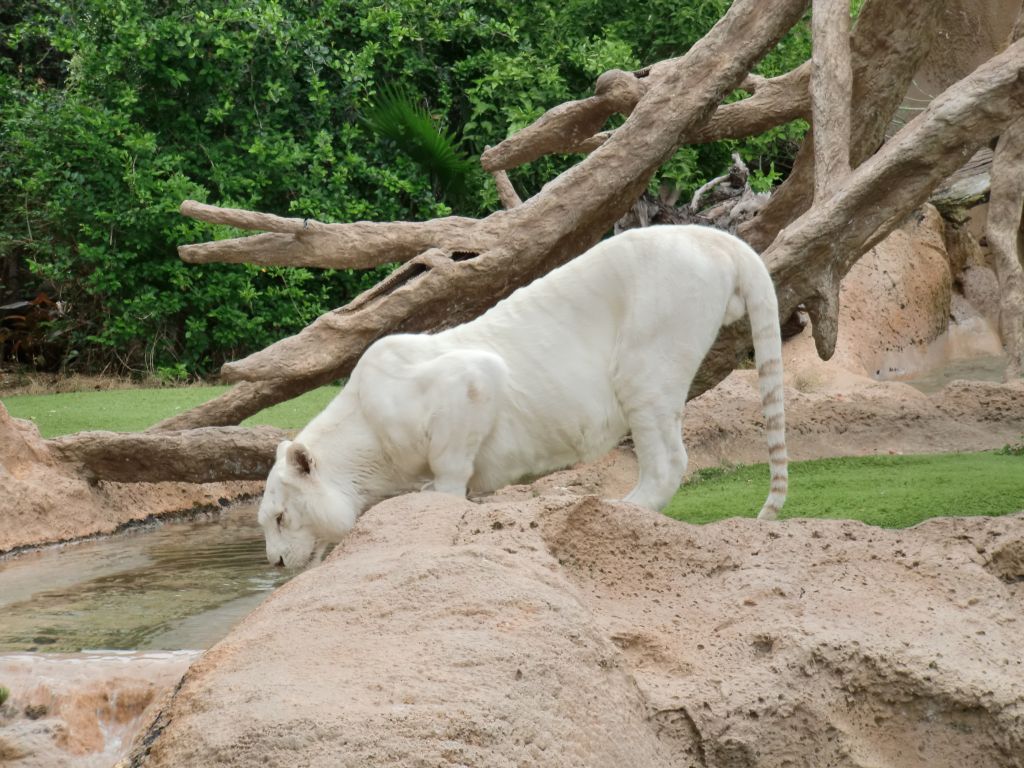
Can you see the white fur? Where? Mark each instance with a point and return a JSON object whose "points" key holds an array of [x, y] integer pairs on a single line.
{"points": [[557, 373]]}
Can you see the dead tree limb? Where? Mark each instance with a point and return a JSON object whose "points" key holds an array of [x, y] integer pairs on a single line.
{"points": [[830, 107], [774, 102], [507, 194], [565, 127], [1005, 206], [309, 243], [448, 286], [196, 456]]}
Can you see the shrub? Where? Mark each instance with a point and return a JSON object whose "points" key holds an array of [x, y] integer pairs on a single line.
{"points": [[114, 111]]}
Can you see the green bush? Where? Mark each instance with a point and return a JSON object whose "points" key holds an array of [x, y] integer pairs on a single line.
{"points": [[114, 111]]}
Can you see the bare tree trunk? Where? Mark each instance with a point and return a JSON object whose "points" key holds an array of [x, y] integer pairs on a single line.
{"points": [[890, 40], [1005, 233], [1004, 240], [831, 91]]}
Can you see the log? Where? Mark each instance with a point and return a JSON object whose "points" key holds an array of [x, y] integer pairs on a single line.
{"points": [[201, 455]]}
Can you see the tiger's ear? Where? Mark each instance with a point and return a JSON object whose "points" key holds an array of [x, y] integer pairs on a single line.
{"points": [[281, 454], [299, 458]]}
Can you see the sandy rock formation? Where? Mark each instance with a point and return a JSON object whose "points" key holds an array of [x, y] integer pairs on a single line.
{"points": [[981, 288], [923, 297], [570, 631], [724, 426], [80, 709], [43, 500], [896, 296]]}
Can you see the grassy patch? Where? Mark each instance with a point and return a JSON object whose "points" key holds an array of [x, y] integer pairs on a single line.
{"points": [[132, 410], [891, 491]]}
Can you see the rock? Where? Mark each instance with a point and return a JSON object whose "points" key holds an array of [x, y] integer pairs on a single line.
{"points": [[41, 500], [980, 287], [962, 248], [81, 709], [896, 296], [44, 500], [570, 631]]}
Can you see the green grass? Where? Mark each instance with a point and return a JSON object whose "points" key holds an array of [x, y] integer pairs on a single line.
{"points": [[133, 410], [890, 491]]}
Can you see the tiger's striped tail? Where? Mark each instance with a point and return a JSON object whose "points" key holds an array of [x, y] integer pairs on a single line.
{"points": [[763, 310]]}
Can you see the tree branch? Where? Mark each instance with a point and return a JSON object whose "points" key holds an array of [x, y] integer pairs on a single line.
{"points": [[830, 94], [775, 101], [309, 243], [890, 40]]}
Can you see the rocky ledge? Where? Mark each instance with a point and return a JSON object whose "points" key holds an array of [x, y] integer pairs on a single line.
{"points": [[567, 631]]}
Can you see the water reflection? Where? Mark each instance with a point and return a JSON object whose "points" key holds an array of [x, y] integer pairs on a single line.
{"points": [[178, 585]]}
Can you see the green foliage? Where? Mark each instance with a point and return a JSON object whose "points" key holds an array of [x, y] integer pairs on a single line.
{"points": [[5, 693], [395, 114], [114, 111], [891, 491], [1013, 449], [761, 181]]}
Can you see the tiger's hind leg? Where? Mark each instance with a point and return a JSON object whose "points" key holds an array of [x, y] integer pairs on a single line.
{"points": [[658, 438]]}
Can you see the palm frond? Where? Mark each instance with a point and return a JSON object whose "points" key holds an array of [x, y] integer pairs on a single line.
{"points": [[398, 115]]}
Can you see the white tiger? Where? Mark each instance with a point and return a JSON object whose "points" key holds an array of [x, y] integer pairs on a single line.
{"points": [[559, 372]]}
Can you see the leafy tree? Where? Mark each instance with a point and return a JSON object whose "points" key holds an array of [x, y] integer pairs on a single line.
{"points": [[114, 111]]}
